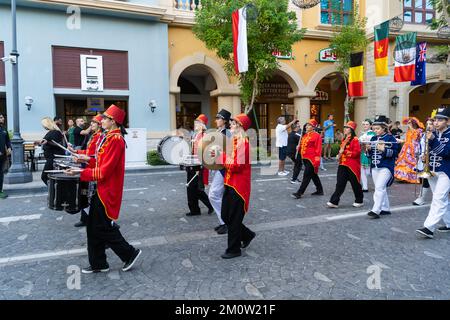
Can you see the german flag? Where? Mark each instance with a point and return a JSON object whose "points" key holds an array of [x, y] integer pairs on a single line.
{"points": [[381, 49], [356, 75]]}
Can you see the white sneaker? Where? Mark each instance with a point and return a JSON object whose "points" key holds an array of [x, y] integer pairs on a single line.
{"points": [[282, 173], [332, 205], [358, 205], [294, 182], [419, 201], [285, 171]]}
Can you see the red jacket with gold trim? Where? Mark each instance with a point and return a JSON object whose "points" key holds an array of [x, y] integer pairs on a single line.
{"points": [[92, 145], [351, 157], [197, 141], [238, 169], [311, 148], [108, 169]]}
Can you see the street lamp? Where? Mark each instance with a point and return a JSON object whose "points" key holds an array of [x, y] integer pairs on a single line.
{"points": [[18, 173]]}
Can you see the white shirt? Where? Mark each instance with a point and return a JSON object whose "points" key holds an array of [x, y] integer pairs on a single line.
{"points": [[281, 135]]}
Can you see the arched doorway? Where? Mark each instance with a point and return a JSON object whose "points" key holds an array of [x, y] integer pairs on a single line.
{"points": [[424, 99], [196, 84], [329, 99]]}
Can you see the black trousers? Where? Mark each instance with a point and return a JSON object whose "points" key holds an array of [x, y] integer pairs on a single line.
{"points": [[101, 231], [344, 174], [233, 212], [2, 165], [309, 175], [297, 164], [196, 192], [48, 166]]}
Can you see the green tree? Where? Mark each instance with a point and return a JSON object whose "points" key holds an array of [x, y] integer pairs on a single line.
{"points": [[348, 39], [273, 28], [442, 8]]}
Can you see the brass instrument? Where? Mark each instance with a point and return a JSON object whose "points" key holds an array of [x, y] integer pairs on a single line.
{"points": [[386, 143], [426, 173]]}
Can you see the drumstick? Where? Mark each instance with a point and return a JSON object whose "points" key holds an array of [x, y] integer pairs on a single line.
{"points": [[62, 171], [61, 156], [64, 148], [196, 174]]}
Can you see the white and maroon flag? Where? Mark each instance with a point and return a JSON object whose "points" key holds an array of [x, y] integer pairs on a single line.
{"points": [[240, 41]]}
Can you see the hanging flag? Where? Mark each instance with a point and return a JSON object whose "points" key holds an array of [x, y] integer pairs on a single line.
{"points": [[239, 23], [405, 58], [356, 75], [381, 49], [421, 63]]}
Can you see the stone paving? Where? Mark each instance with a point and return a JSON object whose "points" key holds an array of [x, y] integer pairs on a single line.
{"points": [[303, 250]]}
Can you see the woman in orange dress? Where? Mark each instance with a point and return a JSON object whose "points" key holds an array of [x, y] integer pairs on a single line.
{"points": [[405, 166]]}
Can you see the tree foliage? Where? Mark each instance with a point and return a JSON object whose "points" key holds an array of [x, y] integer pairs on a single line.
{"points": [[348, 39], [275, 29], [442, 7]]}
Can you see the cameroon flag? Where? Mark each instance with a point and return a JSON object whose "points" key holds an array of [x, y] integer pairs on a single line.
{"points": [[381, 49], [356, 75]]}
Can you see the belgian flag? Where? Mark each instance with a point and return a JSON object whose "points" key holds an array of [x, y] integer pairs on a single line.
{"points": [[356, 75]]}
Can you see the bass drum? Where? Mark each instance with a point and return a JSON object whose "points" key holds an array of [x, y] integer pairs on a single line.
{"points": [[172, 149]]}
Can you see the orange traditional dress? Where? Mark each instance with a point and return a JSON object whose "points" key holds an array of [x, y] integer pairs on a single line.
{"points": [[405, 166]]}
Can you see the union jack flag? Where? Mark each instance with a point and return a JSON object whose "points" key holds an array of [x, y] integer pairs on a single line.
{"points": [[422, 52]]}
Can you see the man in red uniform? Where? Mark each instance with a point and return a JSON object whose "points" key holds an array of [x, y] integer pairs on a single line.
{"points": [[107, 169], [96, 128], [196, 188], [349, 167], [311, 150], [237, 181]]}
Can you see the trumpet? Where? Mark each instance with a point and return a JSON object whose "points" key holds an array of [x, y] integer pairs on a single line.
{"points": [[386, 143]]}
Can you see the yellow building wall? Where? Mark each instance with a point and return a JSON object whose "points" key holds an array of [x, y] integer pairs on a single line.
{"points": [[427, 102]]}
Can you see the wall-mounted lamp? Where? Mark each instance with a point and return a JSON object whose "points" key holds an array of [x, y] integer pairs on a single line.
{"points": [[12, 59], [152, 105], [394, 101], [28, 102]]}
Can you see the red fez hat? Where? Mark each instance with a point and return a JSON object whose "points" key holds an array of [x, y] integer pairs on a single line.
{"points": [[243, 120], [115, 113], [351, 125], [313, 122], [98, 118], [202, 118]]}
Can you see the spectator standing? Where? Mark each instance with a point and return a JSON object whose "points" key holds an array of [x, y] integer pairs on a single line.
{"points": [[328, 129], [282, 142]]}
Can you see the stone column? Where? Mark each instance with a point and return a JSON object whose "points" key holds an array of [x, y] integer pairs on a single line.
{"points": [[360, 112], [302, 105]]}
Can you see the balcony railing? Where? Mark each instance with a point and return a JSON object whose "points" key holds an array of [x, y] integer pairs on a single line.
{"points": [[187, 5]]}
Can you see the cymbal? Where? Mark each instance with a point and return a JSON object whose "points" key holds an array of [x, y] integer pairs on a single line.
{"points": [[212, 141]]}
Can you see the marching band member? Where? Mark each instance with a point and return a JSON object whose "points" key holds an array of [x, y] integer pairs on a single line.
{"points": [[439, 146], [406, 164], [196, 187], [311, 150], [349, 169], [364, 138], [424, 184], [237, 182], [382, 156], [217, 187], [96, 129], [107, 169]]}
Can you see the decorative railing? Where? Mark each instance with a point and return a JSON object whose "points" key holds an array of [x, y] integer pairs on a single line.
{"points": [[187, 5]]}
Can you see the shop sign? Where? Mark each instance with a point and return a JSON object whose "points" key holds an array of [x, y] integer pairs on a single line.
{"points": [[327, 55], [320, 96], [91, 72], [283, 55], [275, 90]]}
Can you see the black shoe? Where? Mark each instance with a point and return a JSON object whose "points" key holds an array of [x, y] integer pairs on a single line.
{"points": [[223, 229], [228, 255], [365, 190], [384, 213], [80, 224], [425, 232], [92, 270], [296, 195], [373, 215], [210, 211], [217, 228], [129, 264], [246, 243], [444, 229], [193, 214], [317, 193]]}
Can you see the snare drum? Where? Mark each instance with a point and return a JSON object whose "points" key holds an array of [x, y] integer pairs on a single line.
{"points": [[67, 193], [172, 149]]}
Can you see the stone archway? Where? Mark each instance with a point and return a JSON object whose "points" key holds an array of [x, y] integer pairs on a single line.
{"points": [[318, 76]]}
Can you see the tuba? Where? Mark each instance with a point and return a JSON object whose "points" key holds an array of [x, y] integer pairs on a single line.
{"points": [[212, 142]]}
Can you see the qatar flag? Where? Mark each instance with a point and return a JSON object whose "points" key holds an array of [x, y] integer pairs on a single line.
{"points": [[240, 41]]}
